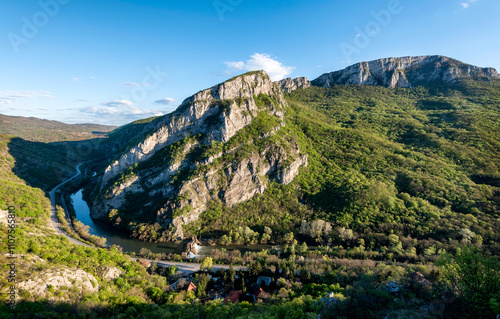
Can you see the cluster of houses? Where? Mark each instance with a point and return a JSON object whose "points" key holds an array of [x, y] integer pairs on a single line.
{"points": [[220, 290]]}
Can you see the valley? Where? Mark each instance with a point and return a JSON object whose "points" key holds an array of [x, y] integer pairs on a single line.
{"points": [[385, 174]]}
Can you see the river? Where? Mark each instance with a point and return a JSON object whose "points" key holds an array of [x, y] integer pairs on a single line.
{"points": [[134, 245]]}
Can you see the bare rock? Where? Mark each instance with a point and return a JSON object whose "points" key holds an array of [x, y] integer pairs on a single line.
{"points": [[405, 72], [289, 85], [109, 273], [57, 279]]}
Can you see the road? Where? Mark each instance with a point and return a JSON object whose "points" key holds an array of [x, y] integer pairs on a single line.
{"points": [[53, 210], [189, 268]]}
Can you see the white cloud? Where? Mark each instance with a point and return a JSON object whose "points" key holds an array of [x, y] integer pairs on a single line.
{"points": [[467, 4], [236, 65], [84, 100], [9, 97], [114, 115], [165, 101], [116, 103], [131, 84], [75, 79], [259, 61]]}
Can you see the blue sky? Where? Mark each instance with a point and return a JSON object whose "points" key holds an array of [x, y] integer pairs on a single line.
{"points": [[114, 61]]}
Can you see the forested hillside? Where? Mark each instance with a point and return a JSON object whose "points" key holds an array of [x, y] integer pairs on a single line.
{"points": [[419, 163], [38, 130], [396, 214]]}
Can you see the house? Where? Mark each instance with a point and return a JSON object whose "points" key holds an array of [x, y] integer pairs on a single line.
{"points": [[144, 263], [234, 297], [262, 279], [192, 287], [262, 295]]}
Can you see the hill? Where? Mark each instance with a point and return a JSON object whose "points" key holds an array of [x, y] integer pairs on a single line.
{"points": [[38, 130]]}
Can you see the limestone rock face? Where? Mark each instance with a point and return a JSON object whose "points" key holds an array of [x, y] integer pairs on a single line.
{"points": [[405, 72], [195, 114], [237, 183], [60, 279], [289, 85], [184, 162]]}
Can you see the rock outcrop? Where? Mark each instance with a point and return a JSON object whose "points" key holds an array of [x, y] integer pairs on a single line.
{"points": [[109, 273], [185, 161], [289, 85], [197, 114], [405, 72], [54, 280]]}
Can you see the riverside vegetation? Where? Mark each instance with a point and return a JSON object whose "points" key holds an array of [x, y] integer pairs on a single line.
{"points": [[399, 182]]}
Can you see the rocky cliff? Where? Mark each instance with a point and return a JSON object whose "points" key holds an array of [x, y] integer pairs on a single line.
{"points": [[224, 143], [405, 72], [289, 85]]}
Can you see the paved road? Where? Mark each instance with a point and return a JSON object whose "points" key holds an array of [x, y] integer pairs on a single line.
{"points": [[53, 210], [190, 267]]}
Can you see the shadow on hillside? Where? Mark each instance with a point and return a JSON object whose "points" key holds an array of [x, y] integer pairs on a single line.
{"points": [[45, 165]]}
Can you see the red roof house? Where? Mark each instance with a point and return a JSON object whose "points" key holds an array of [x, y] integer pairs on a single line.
{"points": [[234, 296]]}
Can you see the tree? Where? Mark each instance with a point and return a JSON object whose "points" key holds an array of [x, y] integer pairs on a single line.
{"points": [[201, 290], [256, 268], [155, 294], [154, 267], [288, 238], [206, 263], [303, 248], [265, 238], [232, 273], [476, 277]]}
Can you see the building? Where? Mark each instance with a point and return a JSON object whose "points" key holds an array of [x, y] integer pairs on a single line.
{"points": [[262, 295], [234, 297], [192, 287], [262, 279]]}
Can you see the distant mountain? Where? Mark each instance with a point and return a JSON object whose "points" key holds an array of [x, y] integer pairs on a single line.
{"points": [[406, 72], [39, 130]]}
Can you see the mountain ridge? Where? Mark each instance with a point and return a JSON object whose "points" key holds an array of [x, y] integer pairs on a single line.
{"points": [[211, 148], [405, 72]]}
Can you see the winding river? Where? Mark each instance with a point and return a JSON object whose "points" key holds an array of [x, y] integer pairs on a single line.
{"points": [[134, 245]]}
